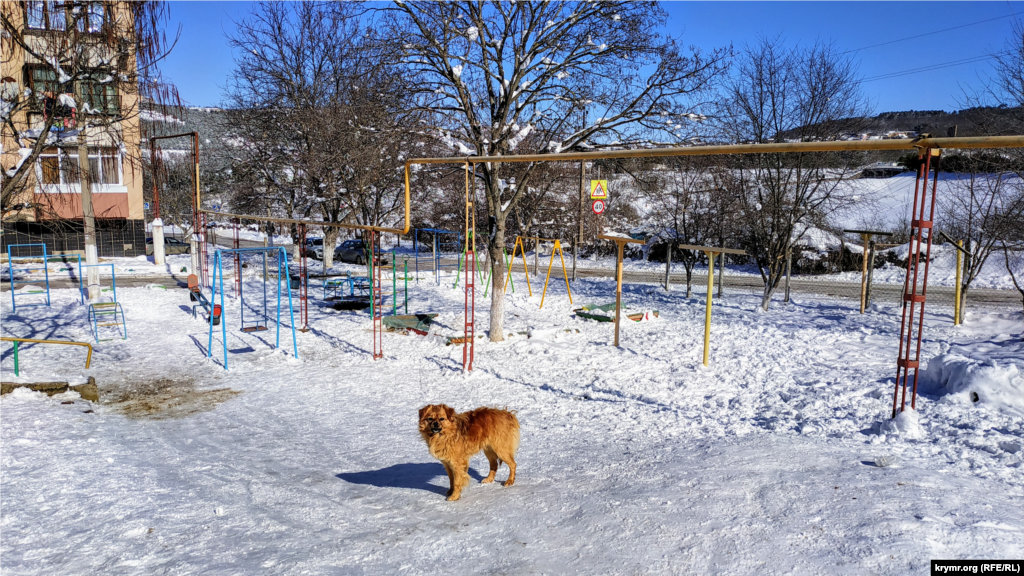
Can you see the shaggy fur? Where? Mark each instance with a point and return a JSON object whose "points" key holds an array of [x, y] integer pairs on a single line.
{"points": [[454, 438]]}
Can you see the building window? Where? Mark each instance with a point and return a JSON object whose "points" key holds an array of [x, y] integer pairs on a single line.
{"points": [[89, 17], [48, 15], [99, 95], [93, 18], [43, 80], [60, 167]]}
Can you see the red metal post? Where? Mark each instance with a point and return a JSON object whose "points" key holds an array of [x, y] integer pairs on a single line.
{"points": [[303, 280], [377, 296], [469, 330], [918, 227], [470, 312], [238, 259]]}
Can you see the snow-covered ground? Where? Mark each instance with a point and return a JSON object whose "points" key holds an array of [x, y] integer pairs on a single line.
{"points": [[634, 460]]}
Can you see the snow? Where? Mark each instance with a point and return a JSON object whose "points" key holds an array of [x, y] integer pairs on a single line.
{"points": [[154, 116], [779, 457], [23, 154], [520, 135], [457, 70], [472, 33], [998, 385], [67, 100]]}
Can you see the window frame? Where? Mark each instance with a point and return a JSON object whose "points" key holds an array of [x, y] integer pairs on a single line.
{"points": [[48, 8], [64, 163], [111, 100]]}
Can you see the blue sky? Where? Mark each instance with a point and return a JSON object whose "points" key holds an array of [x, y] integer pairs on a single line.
{"points": [[202, 60]]}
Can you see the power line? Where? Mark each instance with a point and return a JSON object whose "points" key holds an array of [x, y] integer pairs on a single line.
{"points": [[931, 33], [939, 66]]}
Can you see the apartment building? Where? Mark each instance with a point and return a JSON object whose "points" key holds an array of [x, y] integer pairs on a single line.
{"points": [[68, 67]]}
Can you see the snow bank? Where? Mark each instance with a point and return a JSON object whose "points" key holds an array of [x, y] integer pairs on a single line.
{"points": [[962, 380], [906, 424]]}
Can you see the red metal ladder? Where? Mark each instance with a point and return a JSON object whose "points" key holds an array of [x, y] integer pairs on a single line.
{"points": [[921, 231], [469, 330], [236, 224], [376, 296], [303, 281]]}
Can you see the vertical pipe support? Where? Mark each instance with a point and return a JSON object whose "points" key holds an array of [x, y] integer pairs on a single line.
{"points": [[707, 307]]}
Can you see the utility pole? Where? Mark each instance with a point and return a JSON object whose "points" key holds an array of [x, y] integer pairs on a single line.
{"points": [[582, 215]]}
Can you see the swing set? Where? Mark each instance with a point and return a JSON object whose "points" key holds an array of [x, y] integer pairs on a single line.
{"points": [[262, 319], [522, 252]]}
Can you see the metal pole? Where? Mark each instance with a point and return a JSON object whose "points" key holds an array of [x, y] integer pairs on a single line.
{"points": [[582, 214], [871, 272], [707, 307], [865, 238], [618, 290]]}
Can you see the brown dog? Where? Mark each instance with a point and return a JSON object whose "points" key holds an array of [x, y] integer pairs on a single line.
{"points": [[453, 438]]}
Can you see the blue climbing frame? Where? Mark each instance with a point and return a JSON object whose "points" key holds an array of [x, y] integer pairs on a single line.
{"points": [[217, 281], [441, 242], [98, 311], [10, 267], [83, 289]]}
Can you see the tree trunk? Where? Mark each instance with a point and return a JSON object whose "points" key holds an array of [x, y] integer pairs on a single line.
{"points": [[689, 276], [769, 289], [497, 253], [668, 267], [330, 239], [963, 303], [88, 214]]}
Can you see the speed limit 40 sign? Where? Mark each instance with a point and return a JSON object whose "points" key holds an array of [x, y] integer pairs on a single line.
{"points": [[598, 206]]}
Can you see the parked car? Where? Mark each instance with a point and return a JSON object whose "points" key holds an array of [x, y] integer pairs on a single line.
{"points": [[171, 246], [310, 248], [352, 251]]}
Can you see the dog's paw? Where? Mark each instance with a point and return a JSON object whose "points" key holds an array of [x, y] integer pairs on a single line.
{"points": [[508, 482], [487, 480], [453, 497], [448, 493]]}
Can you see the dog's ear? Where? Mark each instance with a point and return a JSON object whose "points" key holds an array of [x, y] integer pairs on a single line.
{"points": [[449, 411], [423, 411]]}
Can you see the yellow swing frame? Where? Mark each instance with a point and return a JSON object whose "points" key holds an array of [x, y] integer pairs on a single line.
{"points": [[565, 274], [522, 253]]}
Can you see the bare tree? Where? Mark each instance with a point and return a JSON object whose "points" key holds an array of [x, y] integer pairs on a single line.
{"points": [[515, 78], [686, 208], [781, 94], [89, 66], [321, 106], [984, 205], [1013, 257]]}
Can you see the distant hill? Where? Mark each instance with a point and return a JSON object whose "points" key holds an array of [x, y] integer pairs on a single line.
{"points": [[969, 122]]}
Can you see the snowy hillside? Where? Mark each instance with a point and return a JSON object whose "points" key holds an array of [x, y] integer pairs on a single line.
{"points": [[634, 460]]}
